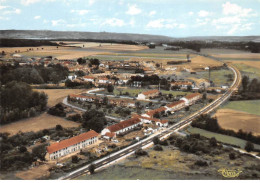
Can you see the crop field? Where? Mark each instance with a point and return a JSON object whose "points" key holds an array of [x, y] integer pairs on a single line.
{"points": [[250, 71], [249, 106], [216, 51], [221, 138], [43, 121], [57, 95], [237, 120], [243, 56]]}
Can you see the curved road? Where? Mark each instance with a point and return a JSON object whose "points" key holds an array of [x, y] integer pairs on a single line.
{"points": [[114, 157]]}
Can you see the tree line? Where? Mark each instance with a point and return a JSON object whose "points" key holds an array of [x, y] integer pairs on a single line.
{"points": [[33, 74], [18, 101], [206, 122], [25, 43]]}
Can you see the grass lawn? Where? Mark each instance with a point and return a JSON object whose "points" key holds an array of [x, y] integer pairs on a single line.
{"points": [[217, 76], [220, 137], [252, 72], [135, 91], [249, 106]]}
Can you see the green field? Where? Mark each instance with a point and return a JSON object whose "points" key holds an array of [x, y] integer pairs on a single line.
{"points": [[251, 72], [221, 138], [249, 106], [135, 91]]}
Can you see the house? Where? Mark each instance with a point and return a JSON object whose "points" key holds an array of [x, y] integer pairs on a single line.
{"points": [[122, 126], [71, 145], [104, 81], [175, 106], [154, 111], [148, 94], [162, 123], [191, 98], [109, 135], [72, 77], [181, 84], [89, 78]]}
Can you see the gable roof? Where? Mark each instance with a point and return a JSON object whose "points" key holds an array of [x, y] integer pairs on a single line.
{"points": [[71, 141], [175, 103], [190, 96], [158, 110], [150, 92], [123, 124]]}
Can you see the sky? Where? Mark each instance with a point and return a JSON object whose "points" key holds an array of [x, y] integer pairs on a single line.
{"points": [[175, 18]]}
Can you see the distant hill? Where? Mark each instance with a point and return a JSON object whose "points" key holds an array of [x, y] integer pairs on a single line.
{"points": [[73, 35]]}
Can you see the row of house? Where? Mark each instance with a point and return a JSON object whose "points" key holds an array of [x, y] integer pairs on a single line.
{"points": [[148, 94], [115, 101], [71, 145]]}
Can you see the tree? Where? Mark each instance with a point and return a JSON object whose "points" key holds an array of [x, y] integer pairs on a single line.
{"points": [[245, 82], [249, 146], [187, 108], [91, 168], [105, 100], [22, 149], [39, 151], [157, 65], [156, 140], [213, 141], [94, 120], [59, 127], [80, 73], [232, 156], [81, 61], [110, 88], [74, 159], [204, 96]]}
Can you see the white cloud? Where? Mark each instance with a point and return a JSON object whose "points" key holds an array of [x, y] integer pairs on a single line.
{"points": [[90, 2], [3, 7], [191, 13], [9, 10], [132, 22], [57, 22], [151, 13], [234, 9], [37, 17], [203, 13], [201, 22], [80, 12], [164, 23], [114, 22], [28, 2], [133, 10]]}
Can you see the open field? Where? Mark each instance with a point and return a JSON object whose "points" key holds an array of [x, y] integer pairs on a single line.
{"points": [[251, 71], [244, 56], [249, 106], [221, 138], [57, 95], [135, 91], [43, 121], [215, 51], [236, 120], [123, 47]]}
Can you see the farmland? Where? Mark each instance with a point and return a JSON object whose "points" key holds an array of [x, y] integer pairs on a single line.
{"points": [[220, 137], [238, 120], [43, 121], [57, 95]]}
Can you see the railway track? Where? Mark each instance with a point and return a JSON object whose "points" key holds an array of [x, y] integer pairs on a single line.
{"points": [[106, 161]]}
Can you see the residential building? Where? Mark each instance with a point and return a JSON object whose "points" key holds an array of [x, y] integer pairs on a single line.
{"points": [[89, 78], [175, 106], [148, 94], [71, 145], [154, 111], [191, 98], [181, 84], [122, 127]]}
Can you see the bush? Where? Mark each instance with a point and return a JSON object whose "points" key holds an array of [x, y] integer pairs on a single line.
{"points": [[232, 156], [213, 141], [158, 148], [156, 140], [249, 146], [140, 152], [91, 168], [22, 149], [164, 143], [74, 159], [59, 127], [201, 163]]}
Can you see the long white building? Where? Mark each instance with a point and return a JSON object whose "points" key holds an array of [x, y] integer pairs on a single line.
{"points": [[68, 146]]}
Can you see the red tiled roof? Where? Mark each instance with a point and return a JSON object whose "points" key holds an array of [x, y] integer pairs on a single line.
{"points": [[111, 135], [175, 103], [72, 141], [190, 96], [89, 77], [164, 121], [123, 124], [152, 112], [150, 92]]}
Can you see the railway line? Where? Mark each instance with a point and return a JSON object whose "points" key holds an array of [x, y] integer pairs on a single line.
{"points": [[114, 157]]}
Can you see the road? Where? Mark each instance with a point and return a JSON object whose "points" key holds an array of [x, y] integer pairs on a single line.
{"points": [[114, 157]]}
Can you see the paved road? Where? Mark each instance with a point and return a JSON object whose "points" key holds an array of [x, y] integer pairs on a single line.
{"points": [[114, 157]]}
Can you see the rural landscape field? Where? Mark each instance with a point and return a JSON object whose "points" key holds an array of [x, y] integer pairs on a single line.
{"points": [[129, 90]]}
